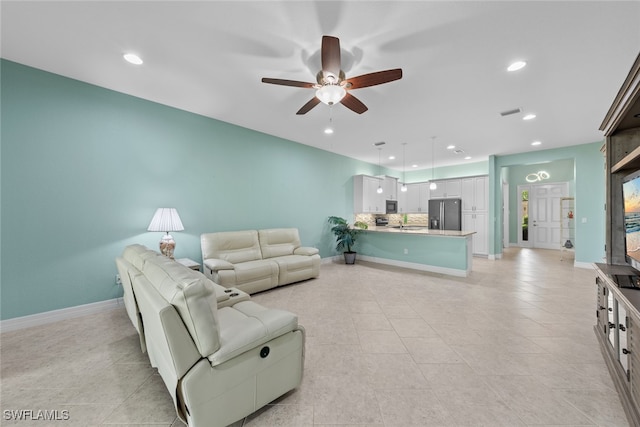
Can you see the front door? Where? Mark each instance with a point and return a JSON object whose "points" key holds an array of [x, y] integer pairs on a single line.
{"points": [[544, 215]]}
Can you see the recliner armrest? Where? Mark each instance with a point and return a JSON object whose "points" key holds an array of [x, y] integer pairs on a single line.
{"points": [[305, 251], [215, 264]]}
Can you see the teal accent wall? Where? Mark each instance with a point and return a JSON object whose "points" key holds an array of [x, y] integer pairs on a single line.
{"points": [[84, 169], [588, 189]]}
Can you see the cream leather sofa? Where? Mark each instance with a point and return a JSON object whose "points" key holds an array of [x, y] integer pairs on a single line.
{"points": [[130, 264], [257, 260], [219, 364]]}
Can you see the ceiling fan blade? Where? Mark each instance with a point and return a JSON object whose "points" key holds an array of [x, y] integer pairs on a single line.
{"points": [[353, 103], [376, 78], [282, 82], [330, 57], [309, 105]]}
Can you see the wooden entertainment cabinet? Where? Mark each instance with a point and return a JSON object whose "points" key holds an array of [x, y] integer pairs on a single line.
{"points": [[618, 308]]}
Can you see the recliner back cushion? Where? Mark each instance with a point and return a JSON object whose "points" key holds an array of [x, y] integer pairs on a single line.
{"points": [[231, 246], [192, 295], [276, 242], [137, 254]]}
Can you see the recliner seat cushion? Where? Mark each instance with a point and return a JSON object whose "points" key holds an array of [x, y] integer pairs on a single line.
{"points": [[192, 295], [247, 325]]}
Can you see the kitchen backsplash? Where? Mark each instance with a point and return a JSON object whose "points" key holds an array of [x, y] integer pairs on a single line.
{"points": [[394, 219]]}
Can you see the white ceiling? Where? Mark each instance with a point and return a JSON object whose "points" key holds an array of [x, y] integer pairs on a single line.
{"points": [[209, 57]]}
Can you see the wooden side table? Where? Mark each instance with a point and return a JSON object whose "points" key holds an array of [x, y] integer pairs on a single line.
{"points": [[189, 263]]}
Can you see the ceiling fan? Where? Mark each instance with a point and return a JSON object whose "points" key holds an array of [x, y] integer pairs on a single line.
{"points": [[332, 86]]}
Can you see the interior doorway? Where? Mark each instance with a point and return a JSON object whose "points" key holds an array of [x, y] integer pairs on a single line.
{"points": [[539, 215]]}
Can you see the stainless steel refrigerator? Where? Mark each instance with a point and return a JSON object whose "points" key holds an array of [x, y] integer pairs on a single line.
{"points": [[445, 214]]}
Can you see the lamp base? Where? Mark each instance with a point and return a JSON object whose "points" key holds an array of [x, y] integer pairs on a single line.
{"points": [[167, 245]]}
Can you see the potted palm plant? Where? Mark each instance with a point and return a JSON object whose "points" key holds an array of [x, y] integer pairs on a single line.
{"points": [[346, 235]]}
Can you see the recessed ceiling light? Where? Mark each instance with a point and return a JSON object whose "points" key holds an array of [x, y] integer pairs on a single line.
{"points": [[516, 66], [450, 147], [536, 143], [132, 58], [468, 158], [328, 131], [529, 117], [392, 157], [414, 166]]}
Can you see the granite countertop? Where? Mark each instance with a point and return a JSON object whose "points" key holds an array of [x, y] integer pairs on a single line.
{"points": [[420, 230]]}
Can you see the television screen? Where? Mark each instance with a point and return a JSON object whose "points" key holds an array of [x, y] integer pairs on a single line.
{"points": [[631, 195]]}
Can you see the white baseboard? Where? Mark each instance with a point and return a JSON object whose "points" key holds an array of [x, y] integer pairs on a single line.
{"points": [[415, 266], [581, 264], [57, 315]]}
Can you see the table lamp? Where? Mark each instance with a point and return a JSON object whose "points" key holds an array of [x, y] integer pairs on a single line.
{"points": [[167, 220]]}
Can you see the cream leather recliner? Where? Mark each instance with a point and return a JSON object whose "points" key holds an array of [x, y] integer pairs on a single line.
{"points": [[130, 264], [219, 364], [257, 260]]}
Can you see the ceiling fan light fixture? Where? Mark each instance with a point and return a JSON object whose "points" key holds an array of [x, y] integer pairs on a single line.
{"points": [[331, 94]]}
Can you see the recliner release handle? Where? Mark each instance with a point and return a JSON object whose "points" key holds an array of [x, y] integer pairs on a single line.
{"points": [[264, 352]]}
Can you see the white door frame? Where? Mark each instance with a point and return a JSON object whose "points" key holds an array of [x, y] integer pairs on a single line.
{"points": [[521, 188], [505, 214]]}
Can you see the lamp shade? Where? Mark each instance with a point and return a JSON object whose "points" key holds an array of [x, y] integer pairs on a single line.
{"points": [[166, 219]]}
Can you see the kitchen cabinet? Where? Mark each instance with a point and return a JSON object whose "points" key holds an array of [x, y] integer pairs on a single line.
{"points": [[366, 198], [477, 221], [417, 198], [446, 189], [390, 187], [474, 192]]}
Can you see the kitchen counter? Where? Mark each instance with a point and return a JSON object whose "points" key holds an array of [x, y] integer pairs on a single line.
{"points": [[439, 251], [417, 229]]}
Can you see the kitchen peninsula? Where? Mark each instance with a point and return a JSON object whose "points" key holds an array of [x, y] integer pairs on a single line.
{"points": [[439, 251]]}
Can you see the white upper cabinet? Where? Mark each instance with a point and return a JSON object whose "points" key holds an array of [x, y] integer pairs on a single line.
{"points": [[390, 186], [366, 198], [416, 199], [446, 189], [475, 193]]}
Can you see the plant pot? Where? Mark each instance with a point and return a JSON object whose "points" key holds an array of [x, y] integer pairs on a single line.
{"points": [[349, 257]]}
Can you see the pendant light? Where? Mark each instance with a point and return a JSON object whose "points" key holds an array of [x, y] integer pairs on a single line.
{"points": [[433, 185], [379, 190], [404, 157]]}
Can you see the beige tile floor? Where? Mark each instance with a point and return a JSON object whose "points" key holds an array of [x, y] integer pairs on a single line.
{"points": [[511, 345]]}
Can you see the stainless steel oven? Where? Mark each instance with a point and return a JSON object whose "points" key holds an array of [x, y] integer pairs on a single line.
{"points": [[392, 206]]}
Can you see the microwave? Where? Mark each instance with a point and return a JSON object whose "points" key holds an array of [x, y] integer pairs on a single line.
{"points": [[391, 206]]}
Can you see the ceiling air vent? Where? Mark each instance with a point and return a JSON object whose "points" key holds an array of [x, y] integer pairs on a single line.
{"points": [[378, 144], [510, 112]]}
